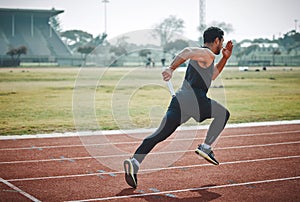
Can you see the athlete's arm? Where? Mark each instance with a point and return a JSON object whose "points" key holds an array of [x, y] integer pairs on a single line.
{"points": [[202, 55], [226, 52]]}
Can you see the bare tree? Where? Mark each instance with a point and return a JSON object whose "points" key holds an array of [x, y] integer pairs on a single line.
{"points": [[167, 29]]}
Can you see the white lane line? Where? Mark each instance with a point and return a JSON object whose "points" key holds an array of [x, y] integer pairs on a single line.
{"points": [[152, 153], [191, 189], [136, 142], [19, 190], [150, 130], [154, 169]]}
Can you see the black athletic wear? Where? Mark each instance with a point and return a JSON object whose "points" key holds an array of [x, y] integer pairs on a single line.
{"points": [[191, 101]]}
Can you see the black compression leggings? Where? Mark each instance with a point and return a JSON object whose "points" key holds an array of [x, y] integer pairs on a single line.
{"points": [[167, 126], [173, 119]]}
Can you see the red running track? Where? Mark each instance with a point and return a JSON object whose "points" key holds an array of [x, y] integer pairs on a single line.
{"points": [[258, 163]]}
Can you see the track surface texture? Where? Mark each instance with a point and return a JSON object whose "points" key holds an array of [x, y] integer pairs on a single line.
{"points": [[257, 163]]}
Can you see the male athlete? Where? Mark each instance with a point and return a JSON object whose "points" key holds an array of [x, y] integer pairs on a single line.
{"points": [[191, 100]]}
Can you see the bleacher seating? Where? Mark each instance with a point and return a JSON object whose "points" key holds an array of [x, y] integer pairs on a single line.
{"points": [[3, 42], [54, 43], [30, 28]]}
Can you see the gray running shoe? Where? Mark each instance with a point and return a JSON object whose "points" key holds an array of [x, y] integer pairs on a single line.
{"points": [[207, 154], [131, 169]]}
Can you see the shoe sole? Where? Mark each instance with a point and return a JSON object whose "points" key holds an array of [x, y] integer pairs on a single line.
{"points": [[206, 157], [130, 177]]}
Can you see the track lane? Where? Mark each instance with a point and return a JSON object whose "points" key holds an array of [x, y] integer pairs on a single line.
{"points": [[78, 140], [246, 164], [155, 160], [74, 151], [89, 187]]}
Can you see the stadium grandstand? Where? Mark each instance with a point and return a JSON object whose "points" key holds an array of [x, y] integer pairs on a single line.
{"points": [[31, 28]]}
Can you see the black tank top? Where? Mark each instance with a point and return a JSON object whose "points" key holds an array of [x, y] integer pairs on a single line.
{"points": [[198, 78]]}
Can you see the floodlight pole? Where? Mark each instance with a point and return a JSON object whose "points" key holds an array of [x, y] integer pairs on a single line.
{"points": [[105, 17], [202, 15]]}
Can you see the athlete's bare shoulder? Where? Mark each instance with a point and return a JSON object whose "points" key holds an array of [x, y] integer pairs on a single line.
{"points": [[204, 56]]}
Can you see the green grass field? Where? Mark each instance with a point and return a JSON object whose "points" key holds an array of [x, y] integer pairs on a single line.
{"points": [[46, 100]]}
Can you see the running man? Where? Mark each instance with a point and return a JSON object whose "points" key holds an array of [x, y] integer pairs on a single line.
{"points": [[191, 100]]}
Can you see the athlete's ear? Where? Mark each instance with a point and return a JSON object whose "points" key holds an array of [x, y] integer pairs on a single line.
{"points": [[217, 41]]}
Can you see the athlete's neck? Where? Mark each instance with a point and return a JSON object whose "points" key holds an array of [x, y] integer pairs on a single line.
{"points": [[207, 46]]}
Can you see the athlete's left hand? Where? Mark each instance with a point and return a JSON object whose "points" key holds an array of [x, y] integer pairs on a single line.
{"points": [[227, 51], [167, 74]]}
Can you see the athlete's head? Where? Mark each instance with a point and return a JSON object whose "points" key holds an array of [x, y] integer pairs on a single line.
{"points": [[214, 37]]}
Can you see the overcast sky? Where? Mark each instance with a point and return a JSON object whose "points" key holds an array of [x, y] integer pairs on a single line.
{"points": [[250, 19]]}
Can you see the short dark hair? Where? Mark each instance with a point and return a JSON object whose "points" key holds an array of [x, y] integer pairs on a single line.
{"points": [[211, 33]]}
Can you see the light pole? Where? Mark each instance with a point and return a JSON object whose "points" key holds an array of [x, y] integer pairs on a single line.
{"points": [[105, 17], [296, 25]]}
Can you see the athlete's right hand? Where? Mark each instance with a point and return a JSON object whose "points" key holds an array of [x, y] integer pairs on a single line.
{"points": [[167, 74]]}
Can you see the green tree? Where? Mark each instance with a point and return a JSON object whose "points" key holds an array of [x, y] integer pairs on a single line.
{"points": [[55, 22], [85, 50], [98, 40], [12, 52], [274, 53], [118, 50], [290, 41], [175, 46], [16, 52], [261, 40], [76, 38], [144, 53], [21, 50], [167, 29], [246, 51]]}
